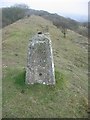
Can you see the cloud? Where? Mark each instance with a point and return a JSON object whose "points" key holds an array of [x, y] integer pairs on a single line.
{"points": [[54, 6], [64, 6]]}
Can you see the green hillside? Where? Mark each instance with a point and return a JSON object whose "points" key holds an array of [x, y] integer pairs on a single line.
{"points": [[19, 11], [69, 97]]}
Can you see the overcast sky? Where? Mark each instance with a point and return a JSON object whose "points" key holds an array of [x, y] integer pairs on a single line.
{"points": [[63, 7]]}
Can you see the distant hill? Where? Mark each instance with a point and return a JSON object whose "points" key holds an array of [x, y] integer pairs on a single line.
{"points": [[61, 22], [79, 18], [13, 14]]}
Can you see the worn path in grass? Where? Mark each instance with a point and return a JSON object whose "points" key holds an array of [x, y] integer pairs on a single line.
{"points": [[69, 97]]}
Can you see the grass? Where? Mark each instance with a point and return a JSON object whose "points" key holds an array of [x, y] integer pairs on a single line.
{"points": [[21, 100], [68, 98], [17, 77], [44, 96]]}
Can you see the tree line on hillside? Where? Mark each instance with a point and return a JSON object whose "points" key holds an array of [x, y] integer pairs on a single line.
{"points": [[19, 11], [13, 13], [64, 23]]}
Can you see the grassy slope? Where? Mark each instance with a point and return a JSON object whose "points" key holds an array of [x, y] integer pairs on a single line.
{"points": [[69, 97]]}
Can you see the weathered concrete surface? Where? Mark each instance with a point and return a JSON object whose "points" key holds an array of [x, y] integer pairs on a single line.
{"points": [[40, 66]]}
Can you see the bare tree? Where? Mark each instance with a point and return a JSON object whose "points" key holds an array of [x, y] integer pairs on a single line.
{"points": [[64, 30]]}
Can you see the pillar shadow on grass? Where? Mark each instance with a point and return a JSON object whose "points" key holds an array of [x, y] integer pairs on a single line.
{"points": [[20, 81], [20, 78]]}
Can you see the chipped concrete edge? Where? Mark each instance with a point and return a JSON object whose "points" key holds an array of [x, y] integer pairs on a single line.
{"points": [[51, 55]]}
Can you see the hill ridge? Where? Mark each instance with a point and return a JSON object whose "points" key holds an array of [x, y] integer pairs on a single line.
{"points": [[14, 13], [69, 97]]}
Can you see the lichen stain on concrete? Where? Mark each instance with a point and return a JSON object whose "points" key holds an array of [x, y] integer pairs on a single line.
{"points": [[40, 64]]}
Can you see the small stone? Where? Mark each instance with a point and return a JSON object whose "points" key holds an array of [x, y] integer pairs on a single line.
{"points": [[44, 83], [22, 91], [16, 54], [32, 83]]}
